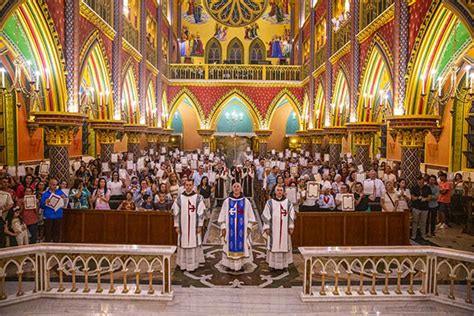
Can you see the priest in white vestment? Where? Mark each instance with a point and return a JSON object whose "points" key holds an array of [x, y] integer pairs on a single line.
{"points": [[278, 223], [188, 211], [236, 219]]}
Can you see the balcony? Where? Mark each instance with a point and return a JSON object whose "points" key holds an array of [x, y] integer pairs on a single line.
{"points": [[131, 34], [102, 7], [342, 35], [372, 10], [234, 72], [151, 54], [320, 57]]}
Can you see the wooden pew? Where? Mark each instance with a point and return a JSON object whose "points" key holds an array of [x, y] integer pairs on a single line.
{"points": [[118, 227], [351, 229]]}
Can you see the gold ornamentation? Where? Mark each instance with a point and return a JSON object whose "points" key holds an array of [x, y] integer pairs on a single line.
{"points": [[151, 68], [59, 136], [411, 137], [134, 137], [362, 138], [276, 102], [91, 16], [106, 136], [206, 135], [319, 70], [340, 53], [131, 50], [384, 18], [236, 13], [263, 135]]}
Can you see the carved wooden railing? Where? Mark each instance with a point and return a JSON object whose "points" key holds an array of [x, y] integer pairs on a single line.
{"points": [[85, 271], [234, 72], [371, 273]]}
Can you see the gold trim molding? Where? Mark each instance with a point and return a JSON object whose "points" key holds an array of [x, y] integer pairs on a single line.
{"points": [[319, 70], [131, 50], [340, 53], [91, 16], [152, 68], [384, 18]]}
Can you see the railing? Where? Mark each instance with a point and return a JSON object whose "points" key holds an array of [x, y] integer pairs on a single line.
{"points": [[151, 54], [320, 57], [234, 72], [372, 9], [102, 7], [131, 34], [370, 273], [85, 271], [342, 35]]}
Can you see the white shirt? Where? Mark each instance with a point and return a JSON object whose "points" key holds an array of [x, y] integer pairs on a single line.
{"points": [[115, 187], [374, 185]]}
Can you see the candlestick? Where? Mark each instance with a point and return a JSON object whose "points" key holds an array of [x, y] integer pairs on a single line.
{"points": [[2, 70], [433, 79], [440, 79], [47, 78], [422, 85]]}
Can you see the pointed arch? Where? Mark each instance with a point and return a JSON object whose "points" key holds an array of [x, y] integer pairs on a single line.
{"points": [[130, 106], [376, 86], [340, 102], [245, 101], [95, 78], [257, 51], [319, 107], [284, 97], [164, 109], [186, 95], [150, 105], [433, 55], [31, 24], [213, 51], [235, 51]]}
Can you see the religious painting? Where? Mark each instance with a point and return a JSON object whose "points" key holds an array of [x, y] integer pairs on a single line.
{"points": [[237, 13], [221, 32], [307, 8], [279, 12], [191, 43], [251, 31], [280, 46], [194, 13]]}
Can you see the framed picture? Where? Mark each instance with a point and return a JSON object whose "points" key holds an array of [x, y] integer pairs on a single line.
{"points": [[348, 203], [291, 194], [212, 177], [55, 202], [30, 202], [44, 168], [312, 188]]}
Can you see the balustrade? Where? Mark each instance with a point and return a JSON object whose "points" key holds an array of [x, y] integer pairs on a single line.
{"points": [[320, 57], [131, 34], [102, 7], [342, 35], [151, 54]]}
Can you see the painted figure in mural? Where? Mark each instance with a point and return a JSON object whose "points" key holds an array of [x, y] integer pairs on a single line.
{"points": [[279, 9], [276, 47], [220, 32], [251, 31], [198, 47], [190, 7], [197, 11]]}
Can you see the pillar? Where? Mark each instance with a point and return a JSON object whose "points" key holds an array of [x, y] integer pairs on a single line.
{"points": [[133, 145], [305, 140], [317, 143], [59, 139], [206, 135], [106, 140], [411, 142], [165, 140], [362, 148], [262, 140], [152, 140]]}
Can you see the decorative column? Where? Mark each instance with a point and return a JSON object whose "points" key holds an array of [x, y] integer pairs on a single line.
{"points": [[59, 130], [71, 45], [117, 53], [107, 136], [153, 137], [134, 133], [410, 132], [305, 140], [362, 135], [206, 135], [401, 51], [335, 136], [262, 138], [165, 139]]}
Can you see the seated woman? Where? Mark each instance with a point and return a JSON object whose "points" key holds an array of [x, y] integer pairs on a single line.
{"points": [[326, 200], [128, 204], [361, 201]]}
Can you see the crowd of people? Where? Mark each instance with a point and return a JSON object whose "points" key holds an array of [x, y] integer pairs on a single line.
{"points": [[32, 204]]}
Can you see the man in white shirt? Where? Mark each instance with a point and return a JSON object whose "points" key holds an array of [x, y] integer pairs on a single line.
{"points": [[374, 189]]}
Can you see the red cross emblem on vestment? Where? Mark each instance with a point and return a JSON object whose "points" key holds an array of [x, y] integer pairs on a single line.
{"points": [[191, 207], [283, 212]]}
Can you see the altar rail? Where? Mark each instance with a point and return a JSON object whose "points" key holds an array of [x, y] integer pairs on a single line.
{"points": [[371, 273], [234, 72], [85, 271]]}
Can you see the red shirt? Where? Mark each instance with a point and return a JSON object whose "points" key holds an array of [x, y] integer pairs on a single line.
{"points": [[444, 197]]}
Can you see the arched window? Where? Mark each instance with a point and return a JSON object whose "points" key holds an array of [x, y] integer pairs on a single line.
{"points": [[213, 52], [257, 51], [235, 52]]}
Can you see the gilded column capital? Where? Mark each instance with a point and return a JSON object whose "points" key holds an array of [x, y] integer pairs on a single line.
{"points": [[106, 136], [60, 135], [412, 130], [134, 137], [362, 138], [263, 135], [414, 138], [59, 127]]}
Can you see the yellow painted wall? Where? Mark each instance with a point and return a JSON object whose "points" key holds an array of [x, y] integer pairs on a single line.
{"points": [[206, 31]]}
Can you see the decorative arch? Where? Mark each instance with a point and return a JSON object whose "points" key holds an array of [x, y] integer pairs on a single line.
{"points": [[150, 105], [376, 86], [130, 105], [319, 107], [257, 51], [433, 55], [186, 94], [284, 97], [31, 21], [340, 102], [213, 51], [164, 109], [245, 100], [95, 74], [235, 51]]}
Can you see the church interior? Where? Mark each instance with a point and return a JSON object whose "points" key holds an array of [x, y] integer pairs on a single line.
{"points": [[237, 157]]}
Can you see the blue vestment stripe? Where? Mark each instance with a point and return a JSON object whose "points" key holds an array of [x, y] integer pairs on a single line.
{"points": [[236, 225]]}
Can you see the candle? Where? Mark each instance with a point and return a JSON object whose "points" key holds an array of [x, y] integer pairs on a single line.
{"points": [[47, 78], [422, 85], [472, 83], [37, 80], [468, 68], [433, 79], [106, 97], [3, 77], [440, 79]]}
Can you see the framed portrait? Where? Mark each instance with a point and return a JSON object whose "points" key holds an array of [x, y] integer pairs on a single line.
{"points": [[55, 202], [44, 168], [312, 189], [291, 194], [30, 202], [348, 203]]}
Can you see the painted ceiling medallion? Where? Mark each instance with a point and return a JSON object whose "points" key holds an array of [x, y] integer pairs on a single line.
{"points": [[236, 13]]}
